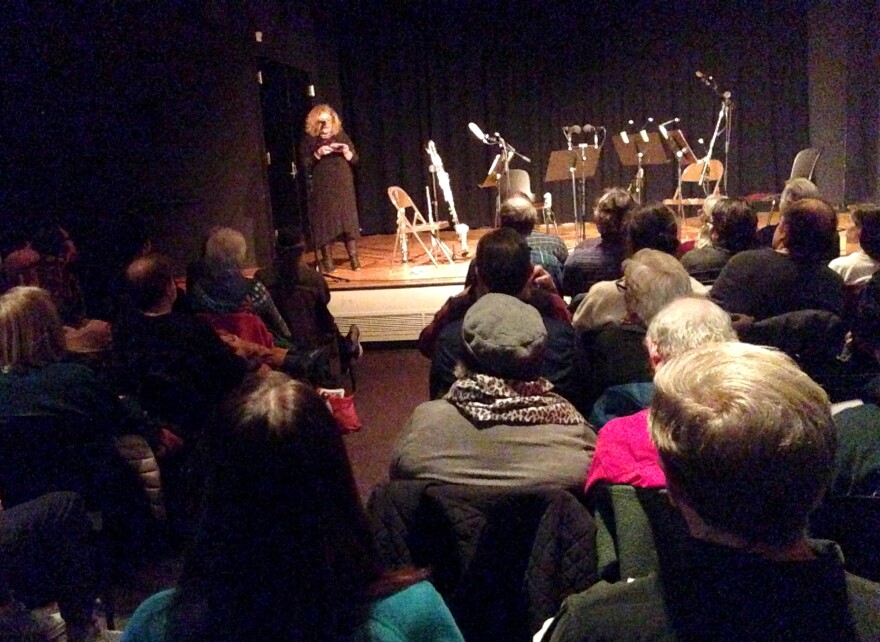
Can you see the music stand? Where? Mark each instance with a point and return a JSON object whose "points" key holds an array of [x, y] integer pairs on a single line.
{"points": [[494, 173], [679, 147], [637, 152], [571, 164]]}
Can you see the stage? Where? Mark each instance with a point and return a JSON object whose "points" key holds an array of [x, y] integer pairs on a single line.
{"points": [[394, 301]]}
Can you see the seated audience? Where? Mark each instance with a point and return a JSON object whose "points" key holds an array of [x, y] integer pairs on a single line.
{"points": [[747, 444], [624, 451], [617, 352], [500, 424], [549, 251], [650, 227], [858, 268], [704, 235], [795, 189], [502, 265], [216, 284], [283, 551], [46, 556], [39, 381], [793, 275], [733, 229], [301, 295], [857, 464], [600, 259], [174, 362]]}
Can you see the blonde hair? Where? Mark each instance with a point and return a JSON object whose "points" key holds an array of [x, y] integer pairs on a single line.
{"points": [[226, 246], [313, 127], [746, 437], [31, 334]]}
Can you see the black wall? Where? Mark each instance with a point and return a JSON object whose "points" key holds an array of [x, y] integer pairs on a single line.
{"points": [[121, 115]]}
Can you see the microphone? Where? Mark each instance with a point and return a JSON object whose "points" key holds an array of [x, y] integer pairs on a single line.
{"points": [[588, 128], [575, 129], [701, 75], [476, 131], [662, 126]]}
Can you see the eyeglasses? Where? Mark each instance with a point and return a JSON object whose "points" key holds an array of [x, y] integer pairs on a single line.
{"points": [[621, 284], [324, 121]]}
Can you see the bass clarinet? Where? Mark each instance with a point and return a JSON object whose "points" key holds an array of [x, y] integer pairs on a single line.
{"points": [[460, 228]]}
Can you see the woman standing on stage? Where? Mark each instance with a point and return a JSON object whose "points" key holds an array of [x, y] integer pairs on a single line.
{"points": [[327, 153]]}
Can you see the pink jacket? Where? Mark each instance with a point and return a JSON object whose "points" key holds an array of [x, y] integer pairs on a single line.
{"points": [[625, 454]]}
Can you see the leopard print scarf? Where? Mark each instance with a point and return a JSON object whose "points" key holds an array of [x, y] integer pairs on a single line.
{"points": [[488, 401]]}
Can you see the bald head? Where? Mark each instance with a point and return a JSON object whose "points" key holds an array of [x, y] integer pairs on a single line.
{"points": [[518, 212], [151, 282]]}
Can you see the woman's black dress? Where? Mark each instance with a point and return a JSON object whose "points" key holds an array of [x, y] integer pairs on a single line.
{"points": [[332, 201]]}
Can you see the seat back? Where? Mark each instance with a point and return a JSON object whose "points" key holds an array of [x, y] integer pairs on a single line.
{"points": [[517, 180], [852, 522], [504, 559], [694, 171], [805, 163], [400, 199], [42, 453]]}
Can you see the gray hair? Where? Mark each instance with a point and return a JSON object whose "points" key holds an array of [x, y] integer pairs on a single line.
{"points": [[653, 279], [226, 246], [686, 323], [796, 189]]}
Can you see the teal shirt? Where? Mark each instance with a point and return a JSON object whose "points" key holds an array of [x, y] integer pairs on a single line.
{"points": [[416, 614]]}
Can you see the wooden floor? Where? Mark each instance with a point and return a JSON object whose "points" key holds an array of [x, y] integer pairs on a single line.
{"points": [[379, 271]]}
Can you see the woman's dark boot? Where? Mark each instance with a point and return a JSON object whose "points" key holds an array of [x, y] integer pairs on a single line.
{"points": [[327, 259], [352, 248]]}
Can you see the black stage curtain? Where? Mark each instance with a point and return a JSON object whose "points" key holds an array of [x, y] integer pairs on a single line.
{"points": [[419, 70]]}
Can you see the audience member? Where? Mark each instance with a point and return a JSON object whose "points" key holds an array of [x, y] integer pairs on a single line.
{"points": [[46, 556], [733, 228], [500, 424], [600, 259], [795, 189], [857, 464], [704, 235], [503, 266], [283, 551], [624, 451], [39, 382], [302, 295], [858, 268], [174, 362], [652, 227], [793, 275], [547, 250], [747, 444], [216, 284], [617, 352]]}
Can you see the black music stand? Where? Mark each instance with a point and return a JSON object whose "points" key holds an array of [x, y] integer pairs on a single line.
{"points": [[638, 152], [572, 164]]}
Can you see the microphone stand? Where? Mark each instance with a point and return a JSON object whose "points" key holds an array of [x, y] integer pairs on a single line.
{"points": [[508, 152], [581, 220], [571, 171], [723, 117]]}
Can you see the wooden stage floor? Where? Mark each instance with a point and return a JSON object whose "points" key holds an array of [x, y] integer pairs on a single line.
{"points": [[379, 272]]}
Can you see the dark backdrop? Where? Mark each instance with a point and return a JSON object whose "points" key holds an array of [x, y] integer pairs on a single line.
{"points": [[420, 70]]}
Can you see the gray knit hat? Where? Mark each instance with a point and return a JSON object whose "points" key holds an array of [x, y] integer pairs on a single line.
{"points": [[504, 336]]}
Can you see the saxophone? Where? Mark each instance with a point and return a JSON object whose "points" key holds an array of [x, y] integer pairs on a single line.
{"points": [[460, 228]]}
